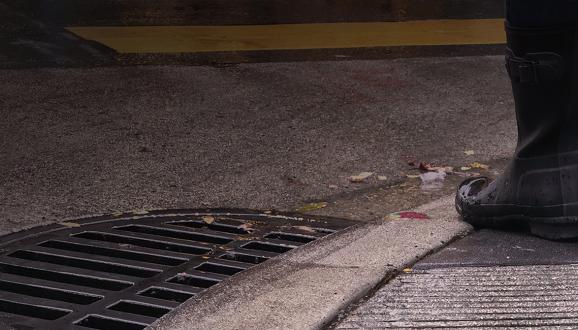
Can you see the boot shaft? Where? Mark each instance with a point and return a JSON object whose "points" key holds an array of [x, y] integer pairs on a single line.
{"points": [[541, 65]]}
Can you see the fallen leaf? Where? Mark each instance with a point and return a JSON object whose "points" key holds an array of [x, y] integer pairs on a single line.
{"points": [[312, 207], [70, 224], [407, 270], [381, 178], [305, 228], [479, 165], [469, 152], [427, 167], [208, 219], [465, 168], [360, 177]]}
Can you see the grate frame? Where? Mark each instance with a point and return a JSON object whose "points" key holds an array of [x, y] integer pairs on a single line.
{"points": [[126, 270]]}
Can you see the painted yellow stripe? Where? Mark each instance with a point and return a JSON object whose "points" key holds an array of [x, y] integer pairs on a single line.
{"points": [[194, 39]]}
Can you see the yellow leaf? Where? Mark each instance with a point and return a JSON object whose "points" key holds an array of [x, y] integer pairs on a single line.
{"points": [[312, 207], [479, 165], [407, 270]]}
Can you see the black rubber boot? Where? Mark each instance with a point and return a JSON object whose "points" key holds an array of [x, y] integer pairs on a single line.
{"points": [[540, 186]]}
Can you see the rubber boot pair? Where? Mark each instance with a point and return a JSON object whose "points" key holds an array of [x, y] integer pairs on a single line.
{"points": [[539, 188]]}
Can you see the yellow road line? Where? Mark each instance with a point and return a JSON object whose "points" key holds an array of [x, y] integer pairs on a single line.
{"points": [[195, 39]]}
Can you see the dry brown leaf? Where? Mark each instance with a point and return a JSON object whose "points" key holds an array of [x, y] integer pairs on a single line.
{"points": [[208, 219], [70, 224]]}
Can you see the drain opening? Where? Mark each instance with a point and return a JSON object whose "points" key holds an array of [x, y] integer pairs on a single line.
{"points": [[291, 237], [213, 226], [143, 242], [67, 278], [219, 269], [121, 254], [172, 233], [134, 307], [108, 323], [260, 246], [166, 294], [242, 257], [48, 293], [39, 312], [195, 281], [107, 267]]}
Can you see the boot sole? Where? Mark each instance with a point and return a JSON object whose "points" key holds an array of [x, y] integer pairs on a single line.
{"points": [[553, 228]]}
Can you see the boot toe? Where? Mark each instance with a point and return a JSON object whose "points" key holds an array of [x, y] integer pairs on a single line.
{"points": [[468, 192]]}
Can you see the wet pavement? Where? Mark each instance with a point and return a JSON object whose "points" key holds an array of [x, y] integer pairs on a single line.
{"points": [[261, 136]]}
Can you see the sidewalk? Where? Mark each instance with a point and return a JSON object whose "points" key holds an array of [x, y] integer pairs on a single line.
{"points": [[487, 280]]}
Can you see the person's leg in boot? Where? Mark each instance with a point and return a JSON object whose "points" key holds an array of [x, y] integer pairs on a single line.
{"points": [[539, 187]]}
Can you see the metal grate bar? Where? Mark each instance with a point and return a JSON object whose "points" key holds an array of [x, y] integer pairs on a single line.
{"points": [[65, 277], [107, 267], [144, 242], [115, 253], [178, 234]]}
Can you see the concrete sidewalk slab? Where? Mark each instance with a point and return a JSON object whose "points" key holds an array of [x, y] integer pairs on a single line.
{"points": [[487, 280], [306, 288]]}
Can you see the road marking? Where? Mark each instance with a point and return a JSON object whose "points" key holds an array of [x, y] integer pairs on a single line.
{"points": [[196, 39]]}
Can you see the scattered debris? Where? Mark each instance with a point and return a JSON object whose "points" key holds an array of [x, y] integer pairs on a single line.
{"points": [[360, 177], [333, 186], [427, 167], [479, 166], [467, 174], [407, 270], [312, 207], [432, 180], [70, 224], [247, 227], [208, 219], [465, 168], [406, 215], [305, 228], [469, 152], [381, 178], [411, 176]]}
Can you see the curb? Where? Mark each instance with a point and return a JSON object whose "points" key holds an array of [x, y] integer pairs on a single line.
{"points": [[308, 287]]}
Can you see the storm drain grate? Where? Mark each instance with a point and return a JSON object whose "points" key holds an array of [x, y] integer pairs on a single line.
{"points": [[513, 297], [124, 272]]}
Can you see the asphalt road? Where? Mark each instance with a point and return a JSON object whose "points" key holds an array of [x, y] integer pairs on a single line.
{"points": [[75, 141]]}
